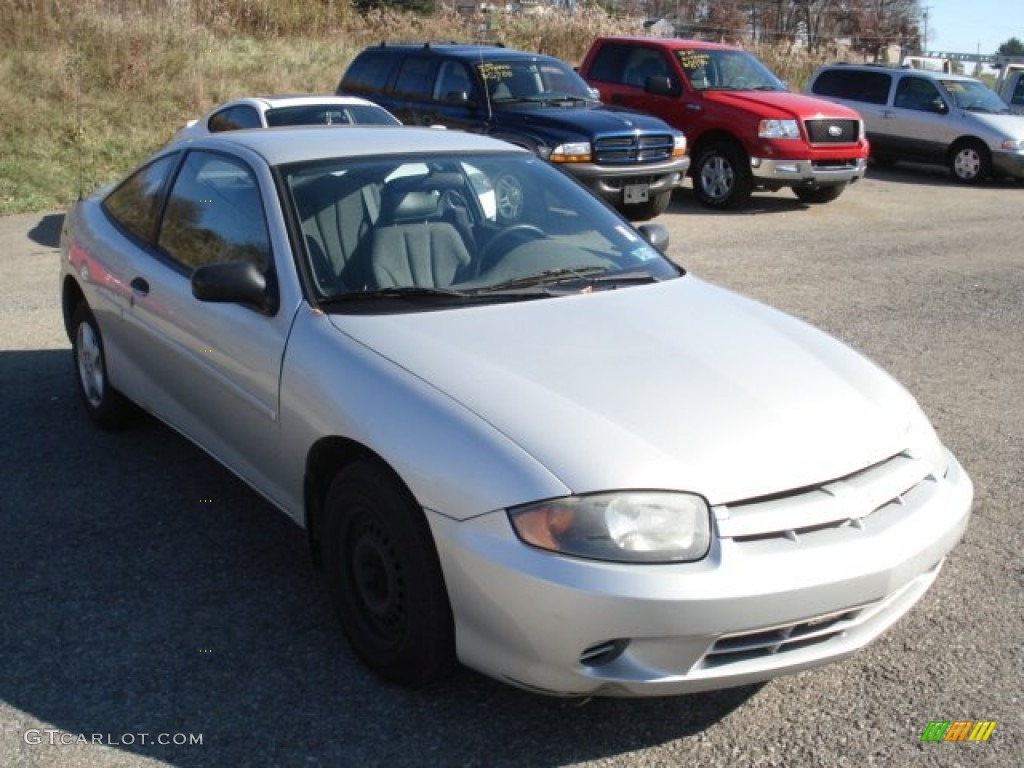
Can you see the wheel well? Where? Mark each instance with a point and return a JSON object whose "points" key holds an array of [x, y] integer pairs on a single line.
{"points": [[326, 458], [964, 140], [713, 137], [71, 297]]}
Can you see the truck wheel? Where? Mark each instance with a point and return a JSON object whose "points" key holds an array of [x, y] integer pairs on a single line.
{"points": [[722, 177], [969, 162], [510, 197], [107, 407], [384, 577], [655, 206], [819, 195]]}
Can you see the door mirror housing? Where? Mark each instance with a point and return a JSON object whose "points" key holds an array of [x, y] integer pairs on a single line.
{"points": [[239, 282], [656, 235]]}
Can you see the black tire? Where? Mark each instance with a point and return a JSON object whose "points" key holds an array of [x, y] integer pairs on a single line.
{"points": [[820, 195], [655, 206], [722, 177], [107, 407], [385, 578], [970, 162]]}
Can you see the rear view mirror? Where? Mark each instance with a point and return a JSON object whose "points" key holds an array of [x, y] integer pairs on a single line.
{"points": [[239, 282], [660, 85], [656, 235]]}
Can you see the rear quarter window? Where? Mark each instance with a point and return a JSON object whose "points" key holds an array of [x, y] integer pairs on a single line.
{"points": [[369, 73], [868, 87]]}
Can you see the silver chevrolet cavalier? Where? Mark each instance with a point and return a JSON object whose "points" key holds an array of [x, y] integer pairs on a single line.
{"points": [[517, 435]]}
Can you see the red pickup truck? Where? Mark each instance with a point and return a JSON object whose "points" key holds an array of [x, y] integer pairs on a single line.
{"points": [[745, 129]]}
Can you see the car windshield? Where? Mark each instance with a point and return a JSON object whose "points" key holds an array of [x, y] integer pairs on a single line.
{"points": [[330, 114], [974, 96], [459, 228], [724, 70], [530, 80]]}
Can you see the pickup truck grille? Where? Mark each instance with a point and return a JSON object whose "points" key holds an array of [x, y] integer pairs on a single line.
{"points": [[633, 150], [832, 131]]}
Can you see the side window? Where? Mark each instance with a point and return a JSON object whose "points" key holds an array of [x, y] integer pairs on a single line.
{"points": [[134, 205], [869, 87], [235, 119], [918, 94], [369, 73], [214, 214], [452, 78], [1018, 92], [415, 78], [609, 64], [641, 64]]}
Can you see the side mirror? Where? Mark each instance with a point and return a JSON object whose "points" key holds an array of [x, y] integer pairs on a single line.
{"points": [[458, 97], [238, 282], [656, 235], [660, 85], [938, 105]]}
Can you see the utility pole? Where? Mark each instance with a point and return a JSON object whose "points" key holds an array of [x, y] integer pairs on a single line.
{"points": [[924, 12]]}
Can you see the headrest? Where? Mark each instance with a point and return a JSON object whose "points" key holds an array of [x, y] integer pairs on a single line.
{"points": [[414, 205]]}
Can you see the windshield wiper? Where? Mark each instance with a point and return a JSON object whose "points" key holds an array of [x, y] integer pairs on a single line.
{"points": [[547, 277], [396, 292]]}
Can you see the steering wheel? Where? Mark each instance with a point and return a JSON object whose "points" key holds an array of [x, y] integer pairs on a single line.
{"points": [[526, 231]]}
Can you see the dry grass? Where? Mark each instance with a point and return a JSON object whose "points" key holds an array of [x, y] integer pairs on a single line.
{"points": [[91, 87]]}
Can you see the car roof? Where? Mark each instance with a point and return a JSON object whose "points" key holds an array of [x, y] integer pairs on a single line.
{"points": [[466, 51], [294, 100], [302, 143], [672, 43], [896, 69]]}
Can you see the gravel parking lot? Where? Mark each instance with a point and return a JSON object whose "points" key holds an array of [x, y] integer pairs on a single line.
{"points": [[150, 592]]}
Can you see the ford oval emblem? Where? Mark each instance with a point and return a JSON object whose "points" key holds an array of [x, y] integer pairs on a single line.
{"points": [[835, 131]]}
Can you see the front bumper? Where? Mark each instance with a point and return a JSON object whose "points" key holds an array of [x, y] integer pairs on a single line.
{"points": [[610, 182], [1008, 164], [760, 605], [807, 173]]}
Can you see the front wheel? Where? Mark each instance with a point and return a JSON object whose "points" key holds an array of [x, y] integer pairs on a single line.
{"points": [[819, 195], [722, 177], [384, 577], [969, 162], [655, 206], [107, 407]]}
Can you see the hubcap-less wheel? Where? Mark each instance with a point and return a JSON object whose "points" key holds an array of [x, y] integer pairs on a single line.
{"points": [[377, 576], [508, 191], [90, 365], [717, 178]]}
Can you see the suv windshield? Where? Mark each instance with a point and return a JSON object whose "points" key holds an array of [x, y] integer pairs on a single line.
{"points": [[455, 228], [974, 96], [527, 80], [726, 71]]}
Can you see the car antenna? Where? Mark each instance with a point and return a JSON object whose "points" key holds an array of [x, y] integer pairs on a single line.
{"points": [[73, 66], [487, 88]]}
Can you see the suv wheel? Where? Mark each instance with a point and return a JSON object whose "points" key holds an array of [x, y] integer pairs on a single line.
{"points": [[722, 177], [969, 162]]}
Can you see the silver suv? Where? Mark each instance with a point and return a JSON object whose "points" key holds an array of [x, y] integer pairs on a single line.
{"points": [[930, 117]]}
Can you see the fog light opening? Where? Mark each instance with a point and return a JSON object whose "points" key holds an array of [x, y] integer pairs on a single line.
{"points": [[603, 653]]}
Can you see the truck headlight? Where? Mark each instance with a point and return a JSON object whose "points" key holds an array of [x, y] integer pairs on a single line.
{"points": [[571, 152], [624, 527], [778, 129]]}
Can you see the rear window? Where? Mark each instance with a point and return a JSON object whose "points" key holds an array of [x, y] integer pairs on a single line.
{"points": [[869, 87], [369, 73]]}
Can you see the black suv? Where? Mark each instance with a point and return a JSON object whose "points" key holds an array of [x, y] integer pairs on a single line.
{"points": [[630, 159]]}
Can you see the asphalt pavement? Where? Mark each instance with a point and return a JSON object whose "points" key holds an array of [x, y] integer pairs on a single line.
{"points": [[157, 612]]}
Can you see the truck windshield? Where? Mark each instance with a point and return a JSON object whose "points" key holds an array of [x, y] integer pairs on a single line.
{"points": [[726, 71]]}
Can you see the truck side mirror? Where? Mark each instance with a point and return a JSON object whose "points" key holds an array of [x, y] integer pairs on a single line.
{"points": [[661, 85]]}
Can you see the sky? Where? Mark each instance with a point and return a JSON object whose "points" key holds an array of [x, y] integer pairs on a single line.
{"points": [[960, 26]]}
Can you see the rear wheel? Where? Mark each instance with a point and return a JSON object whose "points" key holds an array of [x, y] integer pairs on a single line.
{"points": [[722, 176], [969, 162], [385, 578], [655, 206], [107, 407], [819, 195]]}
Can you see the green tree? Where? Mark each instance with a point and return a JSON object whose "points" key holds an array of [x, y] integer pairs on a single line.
{"points": [[1012, 47]]}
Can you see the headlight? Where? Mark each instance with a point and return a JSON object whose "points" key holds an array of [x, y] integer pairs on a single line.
{"points": [[630, 526], [572, 152], [678, 146], [778, 129], [1013, 145], [924, 444]]}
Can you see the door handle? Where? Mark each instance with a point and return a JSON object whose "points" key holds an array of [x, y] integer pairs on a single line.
{"points": [[693, 107], [140, 286]]}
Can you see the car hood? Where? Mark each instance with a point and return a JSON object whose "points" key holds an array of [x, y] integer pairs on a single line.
{"points": [[1010, 126], [678, 385], [576, 119], [781, 104]]}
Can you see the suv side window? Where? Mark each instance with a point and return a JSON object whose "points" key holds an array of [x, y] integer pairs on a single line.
{"points": [[415, 77], [369, 73], [235, 119], [134, 205], [452, 78], [919, 94], [214, 214], [610, 63], [1018, 93], [869, 87]]}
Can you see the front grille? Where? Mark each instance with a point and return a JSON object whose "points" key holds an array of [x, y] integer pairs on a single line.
{"points": [[832, 131], [631, 149]]}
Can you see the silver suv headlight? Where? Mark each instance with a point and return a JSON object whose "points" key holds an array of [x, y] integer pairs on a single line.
{"points": [[778, 129], [626, 527]]}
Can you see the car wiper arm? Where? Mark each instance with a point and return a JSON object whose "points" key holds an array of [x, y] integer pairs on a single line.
{"points": [[547, 277], [396, 292]]}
